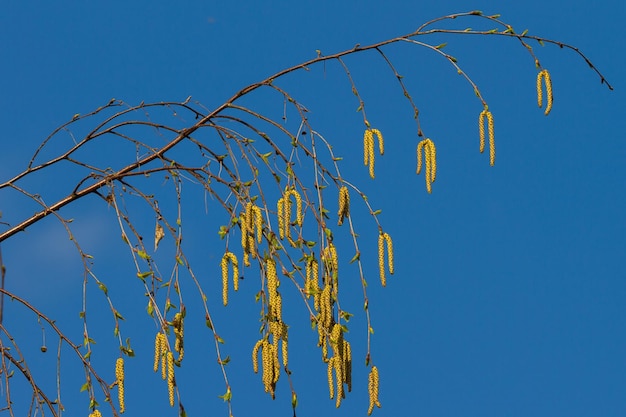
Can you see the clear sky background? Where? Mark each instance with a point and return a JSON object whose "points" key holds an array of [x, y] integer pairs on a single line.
{"points": [[508, 294]]}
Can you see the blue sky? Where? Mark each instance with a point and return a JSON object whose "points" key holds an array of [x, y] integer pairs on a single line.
{"points": [[508, 294]]}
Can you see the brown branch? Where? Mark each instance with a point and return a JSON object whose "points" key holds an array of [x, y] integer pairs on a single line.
{"points": [[206, 119]]}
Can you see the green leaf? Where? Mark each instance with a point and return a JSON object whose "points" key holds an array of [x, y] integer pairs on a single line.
{"points": [[224, 361], [169, 306], [222, 232], [103, 288], [85, 387], [118, 315], [143, 255], [377, 212], [127, 349], [227, 396], [294, 400], [441, 46], [346, 316], [265, 157], [144, 275], [355, 257]]}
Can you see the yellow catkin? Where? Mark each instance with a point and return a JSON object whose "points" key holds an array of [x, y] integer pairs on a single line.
{"points": [[492, 140], [372, 389], [481, 130], [229, 257], [420, 147], [389, 252], [315, 288], [119, 376], [331, 385], [255, 356], [224, 266], [258, 221], [251, 226], [251, 245], [338, 366], [368, 150], [96, 413], [368, 146], [170, 377], [179, 330], [326, 307], [272, 276], [381, 142], [548, 81], [249, 217], [539, 89], [347, 364], [381, 259], [431, 164], [545, 75], [164, 351], [322, 341], [280, 208], [336, 339], [275, 329], [433, 161], [308, 277], [275, 299], [243, 220], [247, 240], [298, 198], [427, 146], [284, 344], [548, 92], [486, 114], [158, 346], [344, 204], [268, 367], [276, 364], [329, 256], [287, 218], [382, 239], [277, 307]]}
